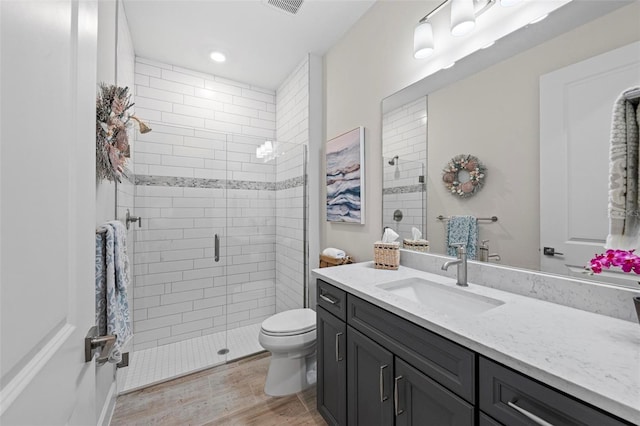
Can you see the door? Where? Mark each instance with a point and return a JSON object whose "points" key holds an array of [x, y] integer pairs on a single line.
{"points": [[332, 373], [420, 401], [575, 121], [369, 373], [47, 199]]}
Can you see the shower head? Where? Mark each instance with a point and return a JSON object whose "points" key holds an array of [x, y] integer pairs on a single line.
{"points": [[392, 162]]}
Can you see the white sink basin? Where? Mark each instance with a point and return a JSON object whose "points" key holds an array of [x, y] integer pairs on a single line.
{"points": [[441, 298]]}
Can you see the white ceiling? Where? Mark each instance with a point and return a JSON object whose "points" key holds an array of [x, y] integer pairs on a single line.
{"points": [[262, 44]]}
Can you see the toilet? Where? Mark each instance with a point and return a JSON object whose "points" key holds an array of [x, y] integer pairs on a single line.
{"points": [[290, 336]]}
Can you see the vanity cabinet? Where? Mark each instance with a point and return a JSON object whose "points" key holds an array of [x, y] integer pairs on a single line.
{"points": [[376, 368], [389, 381], [517, 400]]}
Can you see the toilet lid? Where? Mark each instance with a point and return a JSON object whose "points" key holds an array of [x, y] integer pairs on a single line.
{"points": [[294, 321]]}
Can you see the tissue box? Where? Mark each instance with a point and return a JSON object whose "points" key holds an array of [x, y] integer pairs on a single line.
{"points": [[326, 261], [386, 255], [416, 245]]}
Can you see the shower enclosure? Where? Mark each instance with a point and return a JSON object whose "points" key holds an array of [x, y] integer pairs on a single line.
{"points": [[221, 247]]}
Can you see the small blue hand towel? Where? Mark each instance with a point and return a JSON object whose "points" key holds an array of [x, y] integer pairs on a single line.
{"points": [[462, 229]]}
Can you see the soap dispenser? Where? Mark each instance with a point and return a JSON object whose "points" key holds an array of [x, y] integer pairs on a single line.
{"points": [[483, 251]]}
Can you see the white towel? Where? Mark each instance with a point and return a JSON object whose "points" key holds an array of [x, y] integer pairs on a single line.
{"points": [[334, 252], [624, 182]]}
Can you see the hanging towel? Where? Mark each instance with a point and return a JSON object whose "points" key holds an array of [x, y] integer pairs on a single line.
{"points": [[462, 229], [624, 181], [112, 279]]}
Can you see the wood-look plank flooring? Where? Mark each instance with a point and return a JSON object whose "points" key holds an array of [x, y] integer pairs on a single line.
{"points": [[230, 394]]}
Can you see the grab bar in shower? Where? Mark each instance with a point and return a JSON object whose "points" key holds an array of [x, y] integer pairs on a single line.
{"points": [[216, 256]]}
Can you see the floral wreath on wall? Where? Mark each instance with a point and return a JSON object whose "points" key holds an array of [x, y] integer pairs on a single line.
{"points": [[457, 168], [112, 141]]}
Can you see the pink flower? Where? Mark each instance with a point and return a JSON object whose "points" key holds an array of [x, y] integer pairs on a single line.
{"points": [[625, 259]]}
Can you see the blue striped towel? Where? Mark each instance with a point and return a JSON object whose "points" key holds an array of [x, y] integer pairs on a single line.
{"points": [[112, 279], [462, 229]]}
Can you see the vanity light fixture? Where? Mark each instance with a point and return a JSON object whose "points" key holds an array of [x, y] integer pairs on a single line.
{"points": [[463, 17], [423, 40], [218, 57], [463, 20]]}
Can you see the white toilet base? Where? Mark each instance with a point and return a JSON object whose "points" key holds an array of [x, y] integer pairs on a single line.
{"points": [[288, 375]]}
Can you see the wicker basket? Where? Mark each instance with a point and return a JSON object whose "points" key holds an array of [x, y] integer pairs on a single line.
{"points": [[386, 255], [326, 261], [416, 245]]}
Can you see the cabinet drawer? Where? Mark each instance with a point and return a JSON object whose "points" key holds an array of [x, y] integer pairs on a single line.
{"points": [[332, 299], [512, 398], [446, 362]]}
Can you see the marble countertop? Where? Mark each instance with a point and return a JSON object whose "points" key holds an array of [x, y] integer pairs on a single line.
{"points": [[592, 357]]}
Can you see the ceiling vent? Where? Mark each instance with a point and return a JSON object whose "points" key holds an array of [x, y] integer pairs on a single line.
{"points": [[289, 6]]}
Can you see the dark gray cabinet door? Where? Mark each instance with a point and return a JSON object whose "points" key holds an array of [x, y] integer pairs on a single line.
{"points": [[332, 373], [369, 380], [420, 401]]}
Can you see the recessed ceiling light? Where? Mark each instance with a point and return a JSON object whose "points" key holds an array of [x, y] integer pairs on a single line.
{"points": [[449, 66], [217, 57]]}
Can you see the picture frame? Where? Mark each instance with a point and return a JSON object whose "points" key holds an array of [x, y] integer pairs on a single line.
{"points": [[345, 177]]}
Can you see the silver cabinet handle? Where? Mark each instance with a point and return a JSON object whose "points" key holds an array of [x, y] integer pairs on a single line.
{"points": [[338, 359], [383, 398], [216, 256], [328, 299], [537, 420], [396, 397]]}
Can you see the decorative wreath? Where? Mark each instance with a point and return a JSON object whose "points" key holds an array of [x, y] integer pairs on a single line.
{"points": [[112, 121], [451, 175]]}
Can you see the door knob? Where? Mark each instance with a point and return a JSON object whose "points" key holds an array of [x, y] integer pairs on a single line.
{"points": [[550, 251], [93, 342]]}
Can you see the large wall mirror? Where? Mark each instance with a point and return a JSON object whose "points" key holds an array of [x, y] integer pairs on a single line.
{"points": [[536, 110]]}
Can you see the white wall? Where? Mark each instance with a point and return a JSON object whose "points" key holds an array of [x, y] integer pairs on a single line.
{"points": [[115, 66], [358, 77], [292, 116]]}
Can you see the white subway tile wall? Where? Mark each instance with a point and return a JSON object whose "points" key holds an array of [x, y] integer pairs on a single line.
{"points": [[404, 132], [292, 112], [197, 175]]}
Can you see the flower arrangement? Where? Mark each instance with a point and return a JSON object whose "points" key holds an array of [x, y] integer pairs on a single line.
{"points": [[464, 163], [625, 259], [112, 121]]}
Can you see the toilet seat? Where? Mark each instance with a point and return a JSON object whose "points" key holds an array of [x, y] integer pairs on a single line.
{"points": [[290, 323]]}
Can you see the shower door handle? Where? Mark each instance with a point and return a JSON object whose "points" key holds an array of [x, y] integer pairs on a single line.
{"points": [[216, 255]]}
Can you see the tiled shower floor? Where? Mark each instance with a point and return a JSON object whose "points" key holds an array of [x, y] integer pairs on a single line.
{"points": [[156, 365]]}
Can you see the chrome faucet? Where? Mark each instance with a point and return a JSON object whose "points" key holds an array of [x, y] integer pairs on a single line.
{"points": [[461, 262]]}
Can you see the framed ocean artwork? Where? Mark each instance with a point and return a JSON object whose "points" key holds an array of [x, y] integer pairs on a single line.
{"points": [[345, 177]]}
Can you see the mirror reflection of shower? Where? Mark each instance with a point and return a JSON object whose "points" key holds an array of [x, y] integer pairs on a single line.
{"points": [[392, 162], [268, 151]]}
